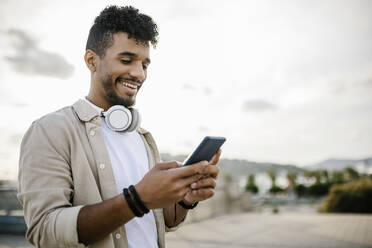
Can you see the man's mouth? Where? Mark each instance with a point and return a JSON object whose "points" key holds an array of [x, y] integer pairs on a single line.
{"points": [[132, 86], [129, 85]]}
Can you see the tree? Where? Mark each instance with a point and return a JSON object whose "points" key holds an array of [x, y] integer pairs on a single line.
{"points": [[251, 185], [351, 174], [351, 197], [338, 177], [292, 177], [300, 190], [325, 175], [317, 175], [228, 177], [319, 188], [272, 175], [308, 175], [274, 189]]}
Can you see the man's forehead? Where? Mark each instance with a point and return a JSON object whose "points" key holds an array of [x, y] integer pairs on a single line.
{"points": [[121, 41]]}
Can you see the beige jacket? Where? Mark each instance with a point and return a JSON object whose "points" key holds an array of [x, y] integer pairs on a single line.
{"points": [[64, 165]]}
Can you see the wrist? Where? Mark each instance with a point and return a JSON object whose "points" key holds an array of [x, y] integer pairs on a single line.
{"points": [[186, 205], [138, 199], [134, 201], [131, 203], [142, 192]]}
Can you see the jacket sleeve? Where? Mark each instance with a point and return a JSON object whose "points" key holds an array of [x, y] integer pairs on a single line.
{"points": [[46, 188]]}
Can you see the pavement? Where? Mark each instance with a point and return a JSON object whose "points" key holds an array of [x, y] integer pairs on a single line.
{"points": [[263, 230], [276, 231]]}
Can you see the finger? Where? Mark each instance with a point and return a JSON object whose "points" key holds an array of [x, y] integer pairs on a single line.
{"points": [[167, 165], [204, 183], [189, 170], [183, 193], [202, 194], [216, 157], [192, 179], [210, 170]]}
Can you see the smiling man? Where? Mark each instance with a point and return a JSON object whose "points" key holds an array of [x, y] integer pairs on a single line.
{"points": [[89, 175]]}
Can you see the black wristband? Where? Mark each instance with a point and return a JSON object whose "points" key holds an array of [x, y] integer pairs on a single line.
{"points": [[188, 206], [131, 203], [138, 200]]}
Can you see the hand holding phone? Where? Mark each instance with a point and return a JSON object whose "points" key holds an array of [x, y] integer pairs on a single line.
{"points": [[206, 150]]}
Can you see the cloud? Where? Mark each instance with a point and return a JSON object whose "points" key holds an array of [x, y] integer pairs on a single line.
{"points": [[31, 60], [7, 99], [4, 155], [367, 83], [347, 85], [17, 104], [188, 87], [207, 90], [191, 87], [186, 9], [203, 129], [15, 139], [258, 105]]}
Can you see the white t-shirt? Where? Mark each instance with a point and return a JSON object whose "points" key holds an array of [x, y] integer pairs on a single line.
{"points": [[130, 163]]}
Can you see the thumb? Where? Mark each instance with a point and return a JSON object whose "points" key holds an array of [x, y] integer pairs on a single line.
{"points": [[167, 165]]}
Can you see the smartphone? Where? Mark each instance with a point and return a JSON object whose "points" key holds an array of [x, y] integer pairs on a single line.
{"points": [[205, 150]]}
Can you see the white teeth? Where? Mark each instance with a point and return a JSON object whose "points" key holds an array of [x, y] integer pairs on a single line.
{"points": [[130, 85]]}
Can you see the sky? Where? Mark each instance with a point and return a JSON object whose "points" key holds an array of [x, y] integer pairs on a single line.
{"points": [[283, 81]]}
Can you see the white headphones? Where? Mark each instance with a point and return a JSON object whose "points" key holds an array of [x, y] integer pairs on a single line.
{"points": [[121, 119]]}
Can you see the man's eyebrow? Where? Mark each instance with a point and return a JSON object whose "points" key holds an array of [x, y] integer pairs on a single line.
{"points": [[130, 54]]}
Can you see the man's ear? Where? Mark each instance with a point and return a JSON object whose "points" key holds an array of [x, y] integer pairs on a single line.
{"points": [[91, 58]]}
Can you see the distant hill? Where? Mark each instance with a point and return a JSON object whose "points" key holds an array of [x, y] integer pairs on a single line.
{"points": [[361, 165], [239, 167]]}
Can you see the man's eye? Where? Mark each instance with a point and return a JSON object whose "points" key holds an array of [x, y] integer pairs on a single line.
{"points": [[144, 66], [124, 61]]}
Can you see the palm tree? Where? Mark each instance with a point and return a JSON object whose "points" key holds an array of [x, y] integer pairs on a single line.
{"points": [[292, 177], [351, 174], [325, 175], [274, 189], [317, 175], [338, 177], [251, 185], [272, 175]]}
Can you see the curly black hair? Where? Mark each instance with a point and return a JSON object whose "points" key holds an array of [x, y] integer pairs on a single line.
{"points": [[127, 19]]}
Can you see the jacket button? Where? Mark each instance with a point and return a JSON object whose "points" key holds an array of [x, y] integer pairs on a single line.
{"points": [[117, 236], [92, 133], [102, 166]]}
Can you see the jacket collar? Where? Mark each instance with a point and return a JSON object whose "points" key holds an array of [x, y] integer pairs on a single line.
{"points": [[86, 113], [84, 110]]}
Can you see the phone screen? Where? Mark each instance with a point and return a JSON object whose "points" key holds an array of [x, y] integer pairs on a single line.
{"points": [[206, 150]]}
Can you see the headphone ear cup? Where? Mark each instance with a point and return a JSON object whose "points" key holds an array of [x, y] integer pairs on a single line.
{"points": [[118, 118], [136, 120]]}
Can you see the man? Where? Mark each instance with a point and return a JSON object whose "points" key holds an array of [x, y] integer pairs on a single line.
{"points": [[74, 169]]}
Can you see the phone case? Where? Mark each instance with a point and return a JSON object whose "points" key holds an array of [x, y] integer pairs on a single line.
{"points": [[205, 150]]}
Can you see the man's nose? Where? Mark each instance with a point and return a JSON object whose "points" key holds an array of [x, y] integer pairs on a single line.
{"points": [[138, 72]]}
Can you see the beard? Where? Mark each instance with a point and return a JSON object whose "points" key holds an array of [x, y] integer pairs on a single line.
{"points": [[112, 96]]}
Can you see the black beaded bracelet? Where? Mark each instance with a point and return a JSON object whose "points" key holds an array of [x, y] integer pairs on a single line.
{"points": [[188, 206], [131, 203], [138, 200]]}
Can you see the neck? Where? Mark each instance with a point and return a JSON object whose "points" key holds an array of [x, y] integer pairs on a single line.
{"points": [[99, 102]]}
